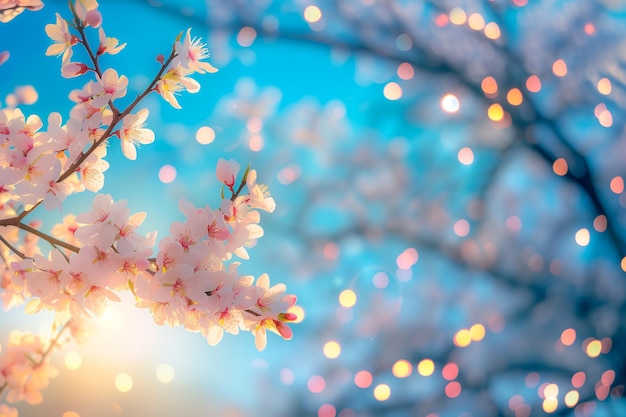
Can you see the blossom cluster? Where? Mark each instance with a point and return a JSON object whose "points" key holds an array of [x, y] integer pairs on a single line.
{"points": [[9, 9], [87, 260], [22, 369], [190, 281], [25, 363]]}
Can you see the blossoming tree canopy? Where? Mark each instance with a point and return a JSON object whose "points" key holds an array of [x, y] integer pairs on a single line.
{"points": [[83, 263]]}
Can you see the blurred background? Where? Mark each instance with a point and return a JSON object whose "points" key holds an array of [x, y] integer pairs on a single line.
{"points": [[449, 180]]}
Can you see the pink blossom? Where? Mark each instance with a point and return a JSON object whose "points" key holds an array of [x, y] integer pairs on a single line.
{"points": [[96, 299], [65, 231], [227, 172], [273, 304], [259, 196], [97, 223], [190, 53], [92, 170], [112, 85], [175, 80], [63, 39], [133, 133], [108, 45]]}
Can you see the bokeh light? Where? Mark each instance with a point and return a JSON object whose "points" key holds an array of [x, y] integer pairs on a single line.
{"points": [[550, 404], [495, 112], [405, 71], [559, 68], [316, 384], [450, 103], [466, 156], [578, 379], [382, 392], [167, 174], [363, 379], [312, 14], [604, 86], [463, 338], [457, 16], [347, 298], [593, 348], [165, 373], [402, 368], [332, 349], [476, 21], [489, 86], [617, 185], [492, 31], [331, 250], [583, 237], [392, 91], [568, 337], [326, 410], [426, 367], [560, 167], [73, 360], [533, 84], [514, 97], [246, 36], [461, 228], [407, 258], [123, 382], [477, 331], [256, 143], [380, 280], [453, 389], [205, 135], [450, 371]]}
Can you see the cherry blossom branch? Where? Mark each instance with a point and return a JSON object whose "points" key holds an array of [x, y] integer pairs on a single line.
{"points": [[25, 212], [46, 237], [54, 341], [16, 222], [11, 248], [117, 119], [44, 354], [80, 27]]}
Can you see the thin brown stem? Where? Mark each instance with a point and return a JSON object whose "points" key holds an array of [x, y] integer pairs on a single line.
{"points": [[25, 212], [47, 237], [11, 248], [254, 313]]}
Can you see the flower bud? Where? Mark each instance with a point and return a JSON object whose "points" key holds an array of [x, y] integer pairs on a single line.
{"points": [[93, 18], [73, 69]]}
